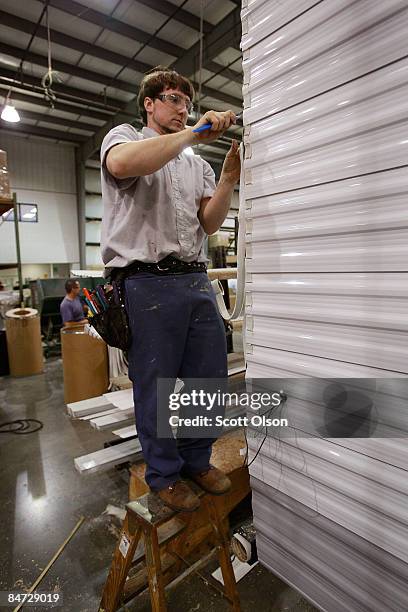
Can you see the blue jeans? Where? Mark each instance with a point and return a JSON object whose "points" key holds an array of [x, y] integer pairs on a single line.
{"points": [[177, 331]]}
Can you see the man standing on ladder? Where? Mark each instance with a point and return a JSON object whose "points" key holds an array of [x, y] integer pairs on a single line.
{"points": [[159, 204]]}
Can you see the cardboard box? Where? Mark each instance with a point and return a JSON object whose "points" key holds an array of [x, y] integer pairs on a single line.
{"points": [[85, 365]]}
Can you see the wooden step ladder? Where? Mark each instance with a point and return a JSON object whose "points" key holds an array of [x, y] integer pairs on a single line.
{"points": [[157, 544]]}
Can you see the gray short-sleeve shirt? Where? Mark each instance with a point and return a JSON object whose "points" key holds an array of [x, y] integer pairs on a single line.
{"points": [[146, 218]]}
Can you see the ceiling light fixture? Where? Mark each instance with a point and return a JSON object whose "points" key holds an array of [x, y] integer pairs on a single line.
{"points": [[9, 112]]}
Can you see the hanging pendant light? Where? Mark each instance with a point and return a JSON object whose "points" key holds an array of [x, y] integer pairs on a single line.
{"points": [[9, 112]]}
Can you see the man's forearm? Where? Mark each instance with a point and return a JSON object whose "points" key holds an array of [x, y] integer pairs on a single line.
{"points": [[216, 209], [146, 156]]}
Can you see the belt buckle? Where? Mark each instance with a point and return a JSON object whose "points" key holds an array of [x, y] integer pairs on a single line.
{"points": [[168, 267], [162, 269]]}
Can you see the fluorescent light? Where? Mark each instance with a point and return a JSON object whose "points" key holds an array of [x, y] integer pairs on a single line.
{"points": [[29, 215], [10, 114]]}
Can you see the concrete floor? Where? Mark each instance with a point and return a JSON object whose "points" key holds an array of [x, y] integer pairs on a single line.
{"points": [[42, 497]]}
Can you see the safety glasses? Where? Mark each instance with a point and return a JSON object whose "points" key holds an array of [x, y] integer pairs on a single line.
{"points": [[177, 101]]}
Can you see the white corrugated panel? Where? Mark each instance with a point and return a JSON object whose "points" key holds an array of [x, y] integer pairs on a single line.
{"points": [[326, 144]]}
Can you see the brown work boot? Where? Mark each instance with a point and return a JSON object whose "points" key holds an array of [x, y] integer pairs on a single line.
{"points": [[179, 496], [212, 480]]}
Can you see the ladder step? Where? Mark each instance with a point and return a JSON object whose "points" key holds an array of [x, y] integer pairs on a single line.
{"points": [[165, 533], [138, 583], [153, 511]]}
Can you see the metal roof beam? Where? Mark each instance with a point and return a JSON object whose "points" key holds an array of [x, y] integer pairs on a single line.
{"points": [[83, 73], [90, 75], [33, 130], [101, 53], [24, 25], [25, 114], [122, 117], [62, 106], [115, 25], [85, 97], [183, 16], [120, 27], [226, 34]]}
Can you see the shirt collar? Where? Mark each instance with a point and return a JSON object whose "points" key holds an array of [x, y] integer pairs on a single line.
{"points": [[149, 132]]}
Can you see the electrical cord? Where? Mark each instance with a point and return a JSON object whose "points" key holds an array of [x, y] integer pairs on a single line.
{"points": [[283, 397], [21, 426]]}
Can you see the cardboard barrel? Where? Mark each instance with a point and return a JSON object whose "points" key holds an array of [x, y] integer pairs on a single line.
{"points": [[85, 365], [23, 333]]}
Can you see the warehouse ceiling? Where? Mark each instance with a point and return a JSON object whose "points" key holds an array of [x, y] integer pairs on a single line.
{"points": [[101, 49]]}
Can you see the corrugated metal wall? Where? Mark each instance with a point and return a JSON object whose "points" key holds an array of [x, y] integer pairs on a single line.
{"points": [[39, 165], [42, 173], [325, 90]]}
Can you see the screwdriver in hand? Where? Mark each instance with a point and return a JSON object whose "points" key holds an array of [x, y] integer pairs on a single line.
{"points": [[207, 126]]}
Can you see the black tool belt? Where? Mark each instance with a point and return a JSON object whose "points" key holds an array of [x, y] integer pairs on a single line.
{"points": [[168, 265]]}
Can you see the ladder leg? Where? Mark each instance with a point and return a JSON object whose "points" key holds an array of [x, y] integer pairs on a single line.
{"points": [[154, 570], [220, 528], [120, 566]]}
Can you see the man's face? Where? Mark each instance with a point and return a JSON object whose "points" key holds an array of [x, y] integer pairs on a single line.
{"points": [[76, 289], [167, 115]]}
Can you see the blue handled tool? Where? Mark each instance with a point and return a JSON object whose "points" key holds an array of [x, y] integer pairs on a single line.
{"points": [[207, 126]]}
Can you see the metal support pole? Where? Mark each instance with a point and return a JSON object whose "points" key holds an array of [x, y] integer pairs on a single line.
{"points": [[19, 268]]}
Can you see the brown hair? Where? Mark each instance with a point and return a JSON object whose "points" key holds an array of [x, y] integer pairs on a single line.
{"points": [[158, 79], [70, 284]]}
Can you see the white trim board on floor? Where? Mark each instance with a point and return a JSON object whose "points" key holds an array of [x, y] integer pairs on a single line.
{"points": [[88, 417], [88, 406], [125, 432], [110, 420], [121, 399], [109, 457]]}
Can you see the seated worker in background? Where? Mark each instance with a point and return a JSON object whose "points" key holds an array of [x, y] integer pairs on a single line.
{"points": [[72, 310]]}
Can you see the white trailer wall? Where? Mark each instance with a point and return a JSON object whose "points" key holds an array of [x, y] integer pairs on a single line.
{"points": [[325, 90]]}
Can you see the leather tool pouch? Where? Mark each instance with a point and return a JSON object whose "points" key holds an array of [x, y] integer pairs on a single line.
{"points": [[112, 324]]}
